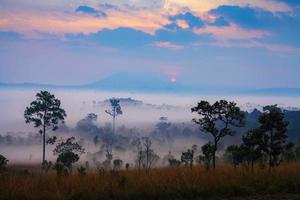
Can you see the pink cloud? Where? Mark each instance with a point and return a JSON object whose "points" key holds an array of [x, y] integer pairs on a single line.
{"points": [[54, 22], [168, 45], [231, 32], [270, 47]]}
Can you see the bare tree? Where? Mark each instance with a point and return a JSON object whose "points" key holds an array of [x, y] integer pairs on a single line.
{"points": [[150, 156], [114, 111], [140, 157]]}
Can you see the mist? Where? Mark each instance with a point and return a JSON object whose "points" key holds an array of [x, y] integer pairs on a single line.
{"points": [[21, 143]]}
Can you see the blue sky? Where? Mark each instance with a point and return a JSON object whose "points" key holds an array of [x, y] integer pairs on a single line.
{"points": [[209, 43]]}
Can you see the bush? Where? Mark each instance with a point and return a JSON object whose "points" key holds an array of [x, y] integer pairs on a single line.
{"points": [[3, 163], [81, 171], [60, 169], [67, 159]]}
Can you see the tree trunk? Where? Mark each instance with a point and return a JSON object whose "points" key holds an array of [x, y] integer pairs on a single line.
{"points": [[271, 150], [214, 153], [44, 144], [114, 119], [147, 159]]}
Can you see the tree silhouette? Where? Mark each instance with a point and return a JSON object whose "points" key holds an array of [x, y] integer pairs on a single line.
{"points": [[188, 157], [289, 153], [208, 150], [236, 154], [274, 133], [117, 164], [174, 162], [148, 150], [114, 111], [150, 156], [163, 126], [218, 119], [252, 146], [45, 113], [68, 152], [3, 163], [138, 148]]}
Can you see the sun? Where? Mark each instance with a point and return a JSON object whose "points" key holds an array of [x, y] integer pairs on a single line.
{"points": [[173, 79]]}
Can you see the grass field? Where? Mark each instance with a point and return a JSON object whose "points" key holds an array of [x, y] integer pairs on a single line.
{"points": [[225, 182]]}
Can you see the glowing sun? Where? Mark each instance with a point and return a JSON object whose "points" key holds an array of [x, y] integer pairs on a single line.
{"points": [[173, 79]]}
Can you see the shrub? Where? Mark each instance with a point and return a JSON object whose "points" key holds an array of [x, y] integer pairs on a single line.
{"points": [[81, 171], [3, 163]]}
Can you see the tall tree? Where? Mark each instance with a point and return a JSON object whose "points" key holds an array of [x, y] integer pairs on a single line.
{"points": [[218, 119], [252, 146], [115, 110], [45, 113], [274, 133]]}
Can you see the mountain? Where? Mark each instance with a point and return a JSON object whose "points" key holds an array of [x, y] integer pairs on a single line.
{"points": [[156, 83]]}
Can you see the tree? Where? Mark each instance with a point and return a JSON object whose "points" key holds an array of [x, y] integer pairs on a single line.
{"points": [[150, 156], [108, 153], [45, 113], [138, 148], [174, 162], [3, 163], [147, 145], [162, 126], [273, 129], [236, 154], [88, 124], [117, 164], [297, 151], [252, 146], [114, 111], [218, 119], [208, 150], [166, 159], [289, 153], [188, 157], [68, 152]]}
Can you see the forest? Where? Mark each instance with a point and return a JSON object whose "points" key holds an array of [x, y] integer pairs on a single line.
{"points": [[233, 154]]}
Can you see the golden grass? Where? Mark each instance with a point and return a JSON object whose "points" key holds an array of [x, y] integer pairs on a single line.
{"points": [[164, 183]]}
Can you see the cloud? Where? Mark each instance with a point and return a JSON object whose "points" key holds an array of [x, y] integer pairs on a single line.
{"points": [[289, 2], [165, 23], [219, 21], [231, 32], [131, 38], [283, 28], [181, 36], [60, 23], [246, 17], [91, 11], [10, 36], [197, 6], [119, 38], [259, 45], [189, 20], [168, 45]]}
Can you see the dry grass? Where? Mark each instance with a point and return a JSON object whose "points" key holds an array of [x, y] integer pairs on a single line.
{"points": [[165, 183]]}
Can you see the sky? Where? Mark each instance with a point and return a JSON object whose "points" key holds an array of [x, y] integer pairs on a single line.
{"points": [[207, 43]]}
